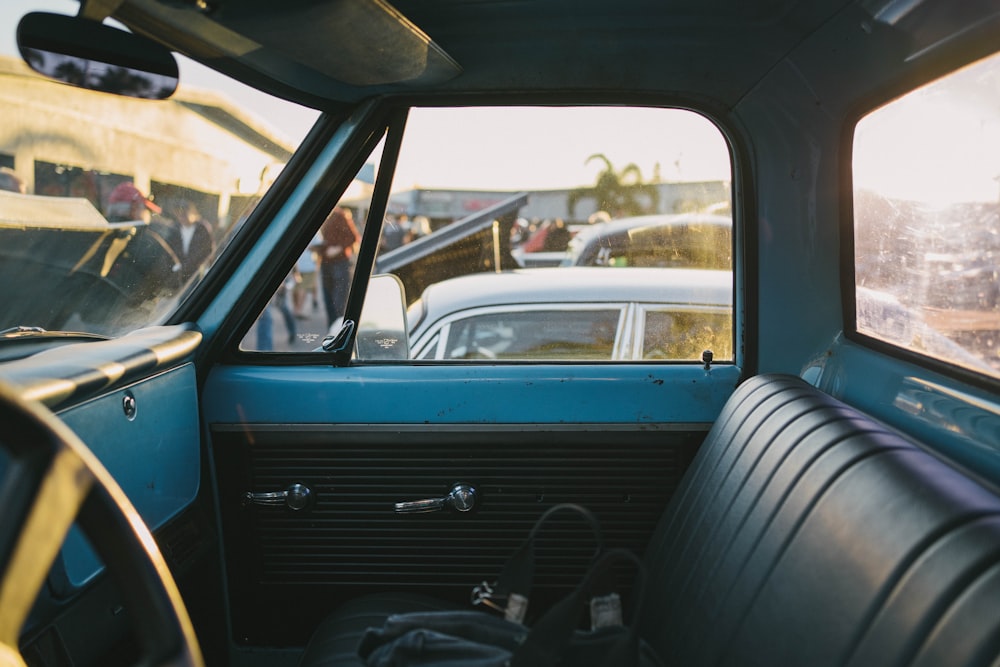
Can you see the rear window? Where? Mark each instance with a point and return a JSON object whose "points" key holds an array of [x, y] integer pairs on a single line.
{"points": [[684, 335], [927, 220], [536, 334]]}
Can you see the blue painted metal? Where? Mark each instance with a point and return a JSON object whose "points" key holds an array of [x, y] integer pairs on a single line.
{"points": [[153, 457], [465, 394], [959, 422]]}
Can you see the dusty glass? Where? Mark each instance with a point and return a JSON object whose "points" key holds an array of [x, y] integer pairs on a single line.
{"points": [[927, 219], [113, 208]]}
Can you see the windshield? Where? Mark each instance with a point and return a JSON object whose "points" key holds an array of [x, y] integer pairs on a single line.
{"points": [[113, 208]]}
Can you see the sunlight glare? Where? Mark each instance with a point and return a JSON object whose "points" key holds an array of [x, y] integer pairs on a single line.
{"points": [[936, 146]]}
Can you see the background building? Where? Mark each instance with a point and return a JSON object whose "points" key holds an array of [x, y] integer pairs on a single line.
{"points": [[442, 207], [221, 174]]}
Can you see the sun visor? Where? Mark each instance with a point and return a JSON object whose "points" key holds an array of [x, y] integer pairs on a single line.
{"points": [[360, 43]]}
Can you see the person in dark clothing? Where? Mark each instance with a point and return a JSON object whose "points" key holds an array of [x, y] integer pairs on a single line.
{"points": [[10, 181], [144, 265], [339, 237], [193, 242]]}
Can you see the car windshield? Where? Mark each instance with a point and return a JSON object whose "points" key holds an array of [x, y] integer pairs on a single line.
{"points": [[112, 208]]}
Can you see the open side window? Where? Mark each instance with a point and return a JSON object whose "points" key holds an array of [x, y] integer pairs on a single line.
{"points": [[519, 207]]}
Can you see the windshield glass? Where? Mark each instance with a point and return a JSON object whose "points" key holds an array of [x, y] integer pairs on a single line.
{"points": [[113, 208]]}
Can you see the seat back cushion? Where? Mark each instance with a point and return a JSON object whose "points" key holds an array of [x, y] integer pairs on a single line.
{"points": [[808, 533]]}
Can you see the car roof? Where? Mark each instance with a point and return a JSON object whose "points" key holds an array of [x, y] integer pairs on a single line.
{"points": [[619, 225], [324, 51], [578, 284]]}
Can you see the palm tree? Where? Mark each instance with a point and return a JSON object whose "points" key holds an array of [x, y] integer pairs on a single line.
{"points": [[620, 193], [124, 81], [70, 72]]}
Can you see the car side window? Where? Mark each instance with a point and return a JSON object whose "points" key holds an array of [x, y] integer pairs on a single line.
{"points": [[538, 334], [683, 335], [926, 238], [552, 216], [532, 233]]}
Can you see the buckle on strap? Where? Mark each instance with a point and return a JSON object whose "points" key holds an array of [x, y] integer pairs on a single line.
{"points": [[485, 594]]}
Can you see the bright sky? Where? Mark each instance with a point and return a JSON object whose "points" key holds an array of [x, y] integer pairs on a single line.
{"points": [[939, 145], [547, 148], [494, 149]]}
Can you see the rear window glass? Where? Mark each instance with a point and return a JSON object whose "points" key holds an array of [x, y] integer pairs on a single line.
{"points": [[547, 334], [927, 220], [685, 335]]}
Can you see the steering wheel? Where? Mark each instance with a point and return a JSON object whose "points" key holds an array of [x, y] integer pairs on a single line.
{"points": [[48, 481]]}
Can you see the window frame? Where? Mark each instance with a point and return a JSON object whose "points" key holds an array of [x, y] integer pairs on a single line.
{"points": [[935, 69], [388, 117]]}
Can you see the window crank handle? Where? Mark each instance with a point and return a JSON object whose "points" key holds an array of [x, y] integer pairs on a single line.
{"points": [[462, 498], [295, 497]]}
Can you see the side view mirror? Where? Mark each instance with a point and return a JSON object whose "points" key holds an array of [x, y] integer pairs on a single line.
{"points": [[91, 55], [382, 331]]}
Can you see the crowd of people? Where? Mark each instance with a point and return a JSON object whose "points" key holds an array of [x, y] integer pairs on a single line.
{"points": [[398, 230], [177, 243], [323, 272], [185, 240]]}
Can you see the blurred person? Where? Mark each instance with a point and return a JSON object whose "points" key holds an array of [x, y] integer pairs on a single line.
{"points": [[557, 237], [338, 239], [265, 330], [305, 285], [282, 301], [11, 182], [420, 227], [142, 260], [265, 323], [193, 242], [598, 217], [519, 232], [126, 203], [535, 241], [393, 234]]}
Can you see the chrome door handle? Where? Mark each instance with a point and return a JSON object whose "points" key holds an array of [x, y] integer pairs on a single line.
{"points": [[462, 498], [295, 497]]}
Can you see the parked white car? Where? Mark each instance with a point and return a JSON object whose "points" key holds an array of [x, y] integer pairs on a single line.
{"points": [[578, 313], [694, 240]]}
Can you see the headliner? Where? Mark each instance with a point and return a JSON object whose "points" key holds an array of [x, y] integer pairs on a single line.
{"points": [[704, 54], [323, 51]]}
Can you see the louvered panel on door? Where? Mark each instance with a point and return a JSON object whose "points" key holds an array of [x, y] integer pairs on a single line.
{"points": [[351, 541]]}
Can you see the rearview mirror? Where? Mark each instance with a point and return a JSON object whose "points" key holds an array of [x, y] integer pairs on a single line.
{"points": [[91, 55]]}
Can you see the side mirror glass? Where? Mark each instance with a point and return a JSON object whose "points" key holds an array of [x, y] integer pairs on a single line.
{"points": [[91, 55], [382, 331]]}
